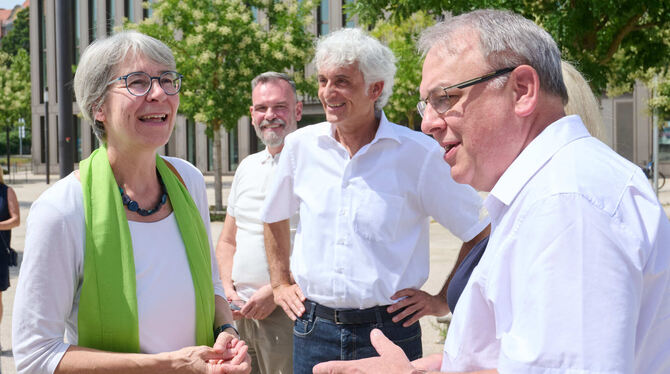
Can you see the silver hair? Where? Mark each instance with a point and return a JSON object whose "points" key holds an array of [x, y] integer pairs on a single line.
{"points": [[271, 76], [506, 39], [351, 45], [99, 65]]}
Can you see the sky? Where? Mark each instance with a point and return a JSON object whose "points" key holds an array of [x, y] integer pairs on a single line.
{"points": [[9, 4]]}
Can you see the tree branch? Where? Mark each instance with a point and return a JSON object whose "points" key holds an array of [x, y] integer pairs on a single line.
{"points": [[616, 42]]}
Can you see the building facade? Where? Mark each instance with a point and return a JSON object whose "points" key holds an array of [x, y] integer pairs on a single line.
{"points": [[627, 122]]}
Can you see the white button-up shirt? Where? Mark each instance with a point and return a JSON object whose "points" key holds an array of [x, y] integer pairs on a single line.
{"points": [[363, 232], [576, 274], [245, 201]]}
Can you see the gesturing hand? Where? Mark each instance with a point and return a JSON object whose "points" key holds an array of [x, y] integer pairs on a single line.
{"points": [[391, 360], [260, 305], [233, 357], [290, 298]]}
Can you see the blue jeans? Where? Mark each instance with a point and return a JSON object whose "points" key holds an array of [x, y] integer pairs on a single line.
{"points": [[318, 340]]}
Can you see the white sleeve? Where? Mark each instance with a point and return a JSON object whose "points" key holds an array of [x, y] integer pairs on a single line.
{"points": [[281, 201], [455, 206], [45, 305], [573, 291]]}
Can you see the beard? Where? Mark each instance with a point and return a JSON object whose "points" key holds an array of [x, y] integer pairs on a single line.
{"points": [[270, 138]]}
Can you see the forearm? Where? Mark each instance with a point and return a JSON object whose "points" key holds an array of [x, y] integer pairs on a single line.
{"points": [[225, 252], [82, 360], [278, 250], [10, 223]]}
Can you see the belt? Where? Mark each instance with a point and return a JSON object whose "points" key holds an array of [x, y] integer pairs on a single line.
{"points": [[375, 314]]}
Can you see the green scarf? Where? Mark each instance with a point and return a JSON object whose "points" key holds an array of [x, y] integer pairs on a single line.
{"points": [[108, 303]]}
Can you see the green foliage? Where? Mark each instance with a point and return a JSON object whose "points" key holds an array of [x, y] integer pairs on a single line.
{"points": [[19, 36], [14, 89], [220, 48], [401, 37], [591, 33]]}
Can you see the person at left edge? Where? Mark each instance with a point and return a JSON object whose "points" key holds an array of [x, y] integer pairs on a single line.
{"points": [[10, 217], [118, 273]]}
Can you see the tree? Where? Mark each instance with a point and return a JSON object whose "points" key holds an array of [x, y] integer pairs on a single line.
{"points": [[19, 36], [220, 47], [14, 90], [591, 33], [401, 38]]}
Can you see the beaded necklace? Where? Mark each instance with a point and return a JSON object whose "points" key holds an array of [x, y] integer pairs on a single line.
{"points": [[133, 206]]}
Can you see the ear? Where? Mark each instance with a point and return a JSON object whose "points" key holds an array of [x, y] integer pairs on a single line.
{"points": [[251, 111], [375, 90], [99, 115], [526, 86], [298, 111]]}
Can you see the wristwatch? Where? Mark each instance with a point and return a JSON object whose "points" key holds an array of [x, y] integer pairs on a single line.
{"points": [[220, 329]]}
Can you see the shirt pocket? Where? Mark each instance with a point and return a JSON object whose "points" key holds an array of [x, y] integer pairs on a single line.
{"points": [[378, 215]]}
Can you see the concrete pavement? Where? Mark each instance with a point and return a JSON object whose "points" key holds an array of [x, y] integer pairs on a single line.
{"points": [[444, 249]]}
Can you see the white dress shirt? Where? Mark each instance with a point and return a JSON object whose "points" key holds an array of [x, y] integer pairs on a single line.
{"points": [[44, 320], [576, 274], [245, 201], [363, 232]]}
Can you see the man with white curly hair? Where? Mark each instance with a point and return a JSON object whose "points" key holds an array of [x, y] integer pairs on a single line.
{"points": [[365, 189]]}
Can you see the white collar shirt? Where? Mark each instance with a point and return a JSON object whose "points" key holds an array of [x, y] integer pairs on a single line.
{"points": [[363, 232], [245, 201], [575, 277]]}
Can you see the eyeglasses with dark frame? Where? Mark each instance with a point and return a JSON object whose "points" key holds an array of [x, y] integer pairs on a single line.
{"points": [[138, 83], [441, 103]]}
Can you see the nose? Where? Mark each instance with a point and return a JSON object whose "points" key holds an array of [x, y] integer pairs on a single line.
{"points": [[156, 92], [431, 121], [270, 113]]}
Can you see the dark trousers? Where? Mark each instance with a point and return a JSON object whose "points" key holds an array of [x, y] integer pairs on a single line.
{"points": [[319, 338]]}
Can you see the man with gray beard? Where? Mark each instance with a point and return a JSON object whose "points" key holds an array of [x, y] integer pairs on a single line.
{"points": [[240, 250]]}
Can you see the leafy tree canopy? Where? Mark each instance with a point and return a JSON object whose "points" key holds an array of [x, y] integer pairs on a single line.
{"points": [[14, 88], [401, 38], [220, 47], [19, 36], [592, 33]]}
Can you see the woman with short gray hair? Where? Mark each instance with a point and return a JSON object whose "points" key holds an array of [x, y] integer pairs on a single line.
{"points": [[118, 271]]}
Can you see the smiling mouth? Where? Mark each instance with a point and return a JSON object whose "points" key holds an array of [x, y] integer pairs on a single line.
{"points": [[448, 147], [153, 118], [334, 105]]}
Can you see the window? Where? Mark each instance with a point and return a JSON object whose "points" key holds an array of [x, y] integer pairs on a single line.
{"points": [[190, 141], [233, 150], [664, 142], [111, 15], [76, 124], [346, 20], [147, 12], [129, 10], [92, 20], [43, 48], [322, 15], [43, 144], [76, 33]]}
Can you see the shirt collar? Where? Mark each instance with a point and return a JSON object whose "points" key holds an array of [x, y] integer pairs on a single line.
{"points": [[532, 158], [267, 157], [386, 130]]}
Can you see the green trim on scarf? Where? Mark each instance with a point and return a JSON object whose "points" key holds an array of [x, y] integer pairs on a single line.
{"points": [[107, 317]]}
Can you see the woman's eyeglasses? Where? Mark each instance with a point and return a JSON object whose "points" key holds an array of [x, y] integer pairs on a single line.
{"points": [[139, 83]]}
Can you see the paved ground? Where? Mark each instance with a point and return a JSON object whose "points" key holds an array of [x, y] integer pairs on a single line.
{"points": [[444, 248]]}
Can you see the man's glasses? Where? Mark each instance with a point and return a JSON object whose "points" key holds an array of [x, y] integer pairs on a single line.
{"points": [[442, 103], [139, 82]]}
